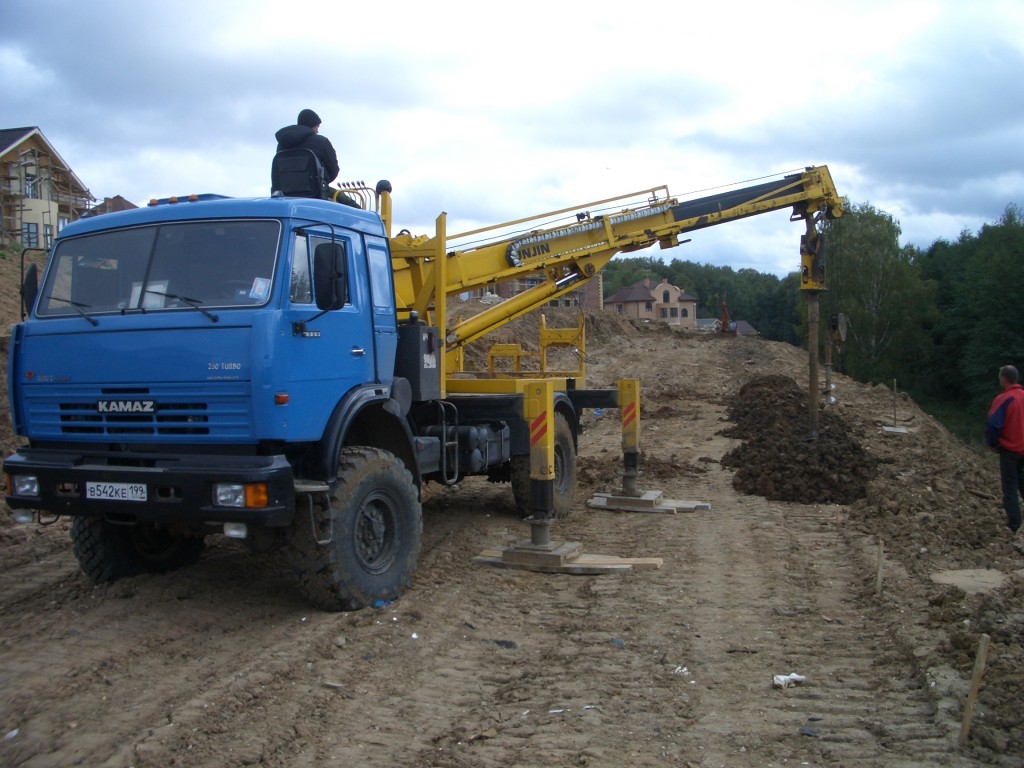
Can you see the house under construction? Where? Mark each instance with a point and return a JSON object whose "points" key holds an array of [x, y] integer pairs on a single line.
{"points": [[39, 193]]}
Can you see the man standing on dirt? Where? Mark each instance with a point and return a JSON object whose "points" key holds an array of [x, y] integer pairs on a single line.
{"points": [[1004, 432]]}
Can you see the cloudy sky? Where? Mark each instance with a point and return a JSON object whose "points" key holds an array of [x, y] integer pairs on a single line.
{"points": [[496, 111]]}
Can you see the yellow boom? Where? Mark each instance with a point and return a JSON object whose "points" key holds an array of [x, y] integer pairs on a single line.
{"points": [[426, 271]]}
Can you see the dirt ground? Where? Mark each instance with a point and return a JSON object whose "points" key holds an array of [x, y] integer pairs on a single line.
{"points": [[870, 562]]}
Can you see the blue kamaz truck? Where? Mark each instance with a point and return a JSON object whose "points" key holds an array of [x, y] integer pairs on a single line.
{"points": [[284, 370]]}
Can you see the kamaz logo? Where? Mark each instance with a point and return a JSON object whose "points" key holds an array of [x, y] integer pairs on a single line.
{"points": [[126, 406]]}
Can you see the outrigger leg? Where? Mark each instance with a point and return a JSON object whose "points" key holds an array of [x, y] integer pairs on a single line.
{"points": [[540, 553], [631, 499]]}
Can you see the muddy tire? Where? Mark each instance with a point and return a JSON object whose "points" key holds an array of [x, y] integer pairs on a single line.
{"points": [[108, 552], [365, 545], [564, 491]]}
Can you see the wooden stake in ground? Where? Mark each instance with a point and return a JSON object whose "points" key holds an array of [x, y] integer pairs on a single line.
{"points": [[894, 402], [881, 562], [972, 695]]}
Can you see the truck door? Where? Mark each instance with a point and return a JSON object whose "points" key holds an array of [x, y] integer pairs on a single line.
{"points": [[330, 353]]}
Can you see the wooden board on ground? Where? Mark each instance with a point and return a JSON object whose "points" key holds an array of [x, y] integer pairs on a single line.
{"points": [[582, 564], [649, 501], [527, 553]]}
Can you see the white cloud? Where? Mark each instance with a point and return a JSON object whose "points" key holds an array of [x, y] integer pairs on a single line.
{"points": [[492, 113]]}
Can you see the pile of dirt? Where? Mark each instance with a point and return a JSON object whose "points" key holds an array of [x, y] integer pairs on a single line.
{"points": [[780, 459], [602, 326], [525, 331]]}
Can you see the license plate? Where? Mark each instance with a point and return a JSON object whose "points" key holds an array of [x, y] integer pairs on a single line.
{"points": [[116, 491]]}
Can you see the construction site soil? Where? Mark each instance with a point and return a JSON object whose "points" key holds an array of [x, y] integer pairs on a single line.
{"points": [[823, 604]]}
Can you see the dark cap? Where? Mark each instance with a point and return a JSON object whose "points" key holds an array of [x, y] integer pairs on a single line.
{"points": [[309, 117]]}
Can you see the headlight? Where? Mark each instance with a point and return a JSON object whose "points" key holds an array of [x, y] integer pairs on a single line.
{"points": [[25, 485], [229, 495]]}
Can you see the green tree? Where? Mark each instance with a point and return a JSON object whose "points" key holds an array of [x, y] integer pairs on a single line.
{"points": [[944, 267], [778, 310], [994, 277], [877, 285], [624, 271]]}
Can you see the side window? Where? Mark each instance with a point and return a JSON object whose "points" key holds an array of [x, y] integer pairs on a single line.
{"points": [[301, 291], [380, 277]]}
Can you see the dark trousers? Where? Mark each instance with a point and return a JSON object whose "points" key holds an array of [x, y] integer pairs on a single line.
{"points": [[1011, 473]]}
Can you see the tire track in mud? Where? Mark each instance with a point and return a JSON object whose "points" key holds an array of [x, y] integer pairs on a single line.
{"points": [[40, 558], [335, 689], [89, 669], [514, 668], [772, 589], [506, 668], [536, 694], [224, 665], [798, 604], [222, 662]]}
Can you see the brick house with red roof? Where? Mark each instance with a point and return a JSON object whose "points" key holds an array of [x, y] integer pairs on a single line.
{"points": [[664, 302]]}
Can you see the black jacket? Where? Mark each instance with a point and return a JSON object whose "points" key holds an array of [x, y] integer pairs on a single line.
{"points": [[302, 137]]}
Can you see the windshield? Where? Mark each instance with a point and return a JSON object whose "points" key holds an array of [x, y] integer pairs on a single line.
{"points": [[168, 266]]}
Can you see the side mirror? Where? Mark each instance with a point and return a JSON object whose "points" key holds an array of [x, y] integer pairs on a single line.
{"points": [[329, 282], [29, 290]]}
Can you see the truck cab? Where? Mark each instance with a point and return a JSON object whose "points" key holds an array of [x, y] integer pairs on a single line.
{"points": [[189, 367]]}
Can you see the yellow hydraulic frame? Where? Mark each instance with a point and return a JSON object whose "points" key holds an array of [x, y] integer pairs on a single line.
{"points": [[427, 271]]}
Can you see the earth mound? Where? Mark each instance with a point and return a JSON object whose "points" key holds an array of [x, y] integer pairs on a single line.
{"points": [[780, 460]]}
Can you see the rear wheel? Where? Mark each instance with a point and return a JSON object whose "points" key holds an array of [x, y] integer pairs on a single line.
{"points": [[107, 552], [564, 491], [364, 546]]}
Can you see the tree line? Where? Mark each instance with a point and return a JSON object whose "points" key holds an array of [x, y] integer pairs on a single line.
{"points": [[939, 321]]}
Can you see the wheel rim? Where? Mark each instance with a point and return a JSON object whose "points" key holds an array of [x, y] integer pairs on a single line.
{"points": [[374, 533], [152, 543]]}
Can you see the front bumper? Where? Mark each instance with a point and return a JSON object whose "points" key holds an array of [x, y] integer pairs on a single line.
{"points": [[179, 488]]}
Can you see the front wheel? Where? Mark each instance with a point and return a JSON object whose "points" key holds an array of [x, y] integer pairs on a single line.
{"points": [[363, 546], [564, 491], [107, 552]]}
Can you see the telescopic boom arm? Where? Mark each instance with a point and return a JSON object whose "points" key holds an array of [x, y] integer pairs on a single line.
{"points": [[568, 256]]}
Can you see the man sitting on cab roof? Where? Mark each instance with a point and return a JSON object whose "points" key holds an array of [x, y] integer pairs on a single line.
{"points": [[305, 134]]}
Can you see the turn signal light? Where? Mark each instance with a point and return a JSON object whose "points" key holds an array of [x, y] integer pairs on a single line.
{"points": [[256, 495]]}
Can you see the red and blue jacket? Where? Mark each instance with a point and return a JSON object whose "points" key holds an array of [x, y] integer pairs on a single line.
{"points": [[1004, 425]]}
